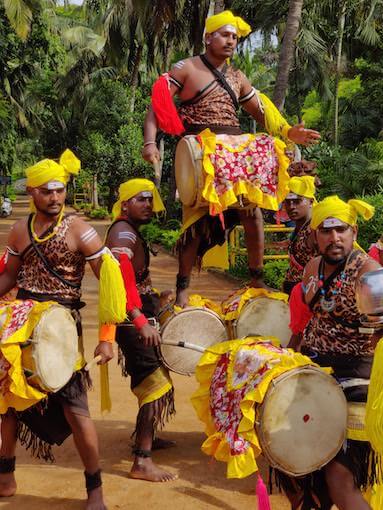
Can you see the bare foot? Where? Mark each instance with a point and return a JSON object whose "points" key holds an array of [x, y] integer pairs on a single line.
{"points": [[182, 298], [145, 469], [7, 485], [162, 444], [95, 500], [260, 284]]}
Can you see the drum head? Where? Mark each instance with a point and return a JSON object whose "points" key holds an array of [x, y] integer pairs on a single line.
{"points": [[302, 421], [55, 349], [264, 316], [188, 161], [197, 326]]}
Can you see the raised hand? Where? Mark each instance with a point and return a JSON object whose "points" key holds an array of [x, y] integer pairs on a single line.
{"points": [[300, 135]]}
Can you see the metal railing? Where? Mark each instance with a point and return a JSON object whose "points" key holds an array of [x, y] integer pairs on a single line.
{"points": [[235, 248]]}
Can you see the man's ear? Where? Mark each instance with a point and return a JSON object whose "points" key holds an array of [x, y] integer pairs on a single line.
{"points": [[355, 231]]}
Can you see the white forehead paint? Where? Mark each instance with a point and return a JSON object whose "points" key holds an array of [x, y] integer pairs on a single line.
{"points": [[229, 28], [332, 222], [88, 236], [179, 65], [54, 185], [146, 194], [292, 196]]}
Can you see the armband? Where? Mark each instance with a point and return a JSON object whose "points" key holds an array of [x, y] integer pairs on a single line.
{"points": [[140, 321]]}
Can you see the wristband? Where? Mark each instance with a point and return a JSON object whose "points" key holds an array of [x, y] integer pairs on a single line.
{"points": [[140, 321], [150, 143], [107, 333], [285, 131]]}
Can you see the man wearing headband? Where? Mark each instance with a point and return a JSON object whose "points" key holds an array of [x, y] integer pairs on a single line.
{"points": [[298, 204], [139, 337], [211, 92], [47, 253], [335, 337]]}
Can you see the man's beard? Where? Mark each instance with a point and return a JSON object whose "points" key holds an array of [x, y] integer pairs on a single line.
{"points": [[333, 262], [47, 212]]}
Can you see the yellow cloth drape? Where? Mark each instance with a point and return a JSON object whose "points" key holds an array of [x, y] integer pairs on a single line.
{"points": [[219, 203], [216, 445], [16, 392], [129, 189], [334, 207], [218, 21], [275, 123]]}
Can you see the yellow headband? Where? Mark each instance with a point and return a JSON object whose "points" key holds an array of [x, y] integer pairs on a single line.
{"points": [[303, 186], [48, 170], [214, 23], [334, 207], [133, 187]]}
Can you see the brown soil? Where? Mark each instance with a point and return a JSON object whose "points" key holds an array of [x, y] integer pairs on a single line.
{"points": [[202, 483]]}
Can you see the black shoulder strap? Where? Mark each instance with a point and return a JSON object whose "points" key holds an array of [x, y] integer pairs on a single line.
{"points": [[221, 80], [45, 261]]}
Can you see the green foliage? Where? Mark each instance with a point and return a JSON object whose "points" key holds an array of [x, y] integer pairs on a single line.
{"points": [[153, 232], [274, 271], [370, 231], [349, 87], [99, 213]]}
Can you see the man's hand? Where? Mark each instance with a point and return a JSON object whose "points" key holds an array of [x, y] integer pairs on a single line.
{"points": [[105, 350], [150, 336], [151, 154], [299, 134]]}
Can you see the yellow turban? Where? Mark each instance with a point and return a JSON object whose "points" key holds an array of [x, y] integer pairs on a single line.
{"points": [[303, 186], [218, 21], [48, 170], [133, 187], [334, 207]]}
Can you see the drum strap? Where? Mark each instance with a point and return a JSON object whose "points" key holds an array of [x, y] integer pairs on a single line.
{"points": [[45, 261], [221, 79]]}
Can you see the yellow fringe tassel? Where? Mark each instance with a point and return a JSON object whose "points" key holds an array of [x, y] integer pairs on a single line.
{"points": [[275, 124], [112, 298]]}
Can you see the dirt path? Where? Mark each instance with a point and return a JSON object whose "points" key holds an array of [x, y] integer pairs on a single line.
{"points": [[202, 483]]}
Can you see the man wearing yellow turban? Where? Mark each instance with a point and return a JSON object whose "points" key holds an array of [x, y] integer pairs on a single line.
{"points": [[302, 247], [139, 337], [211, 92], [334, 336], [47, 253]]}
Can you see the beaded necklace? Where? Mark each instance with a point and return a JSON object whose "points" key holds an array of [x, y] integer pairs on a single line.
{"points": [[327, 299], [51, 234]]}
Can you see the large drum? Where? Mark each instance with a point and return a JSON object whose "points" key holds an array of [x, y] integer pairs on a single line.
{"points": [[264, 315], [187, 334], [48, 358], [302, 422], [188, 172]]}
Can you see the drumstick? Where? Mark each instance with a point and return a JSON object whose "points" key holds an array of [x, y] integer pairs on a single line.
{"points": [[157, 172], [186, 345], [94, 361]]}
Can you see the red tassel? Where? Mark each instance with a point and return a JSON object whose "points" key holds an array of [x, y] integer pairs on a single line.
{"points": [[262, 496], [133, 299], [164, 107]]}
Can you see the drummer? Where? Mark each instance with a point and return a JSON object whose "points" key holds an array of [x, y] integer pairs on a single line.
{"points": [[47, 252], [138, 339], [211, 92], [332, 338], [302, 248]]}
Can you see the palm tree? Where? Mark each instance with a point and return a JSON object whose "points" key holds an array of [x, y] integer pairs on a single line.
{"points": [[286, 53]]}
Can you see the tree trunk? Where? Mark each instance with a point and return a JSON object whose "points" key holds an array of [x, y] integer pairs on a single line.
{"points": [[94, 192], [134, 77], [341, 23], [287, 52]]}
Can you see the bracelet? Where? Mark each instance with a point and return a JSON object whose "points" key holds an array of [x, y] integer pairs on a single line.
{"points": [[140, 321], [150, 143]]}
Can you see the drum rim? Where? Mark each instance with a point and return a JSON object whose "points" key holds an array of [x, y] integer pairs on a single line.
{"points": [[185, 140], [188, 308], [36, 330], [259, 428]]}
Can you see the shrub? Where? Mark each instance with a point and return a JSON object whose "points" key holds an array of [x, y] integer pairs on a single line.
{"points": [[274, 270], [100, 213], [370, 231]]}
